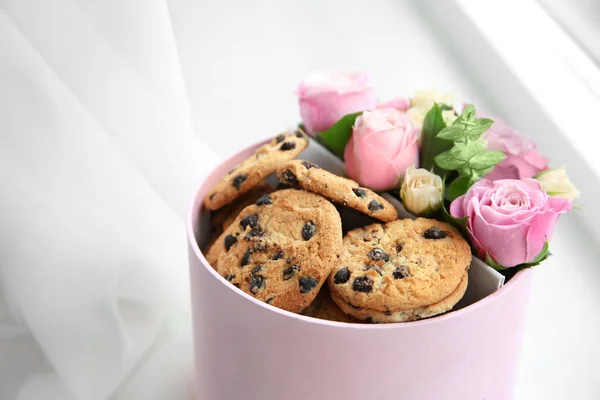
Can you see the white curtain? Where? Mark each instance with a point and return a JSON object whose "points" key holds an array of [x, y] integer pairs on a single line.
{"points": [[98, 162]]}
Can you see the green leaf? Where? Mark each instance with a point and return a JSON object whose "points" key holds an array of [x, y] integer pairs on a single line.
{"points": [[465, 151], [446, 161], [544, 254], [486, 160], [459, 187], [494, 264], [431, 144], [468, 114], [339, 134], [458, 223], [452, 132], [481, 125], [468, 154], [480, 173]]}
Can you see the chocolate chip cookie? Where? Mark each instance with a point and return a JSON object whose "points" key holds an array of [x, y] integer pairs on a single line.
{"points": [[344, 191], [399, 266], [221, 219], [281, 249], [248, 198], [323, 307], [413, 314], [255, 169]]}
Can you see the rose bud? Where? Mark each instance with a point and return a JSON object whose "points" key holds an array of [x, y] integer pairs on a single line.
{"points": [[325, 98], [422, 192], [384, 143], [509, 220], [556, 182]]}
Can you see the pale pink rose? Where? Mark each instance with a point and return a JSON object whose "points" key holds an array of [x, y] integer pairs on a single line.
{"points": [[325, 98], [399, 103], [509, 219], [383, 145], [522, 159]]}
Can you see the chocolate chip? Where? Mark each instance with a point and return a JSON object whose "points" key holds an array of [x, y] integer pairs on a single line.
{"points": [[309, 230], [289, 272], [238, 180], [341, 276], [281, 186], [375, 206], [287, 146], [270, 299], [229, 241], [359, 192], [260, 247], [378, 255], [309, 165], [237, 285], [246, 258], [287, 177], [229, 277], [264, 200], [399, 247], [277, 256], [299, 134], [254, 232], [280, 138], [256, 270], [307, 283], [212, 196], [400, 273], [388, 313], [435, 232], [374, 268], [289, 261], [251, 221], [363, 284], [256, 283], [369, 320]]}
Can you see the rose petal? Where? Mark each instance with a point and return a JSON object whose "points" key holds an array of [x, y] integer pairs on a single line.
{"points": [[506, 244], [457, 209], [352, 167]]}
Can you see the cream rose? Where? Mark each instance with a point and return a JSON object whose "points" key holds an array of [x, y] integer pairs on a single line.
{"points": [[426, 98], [423, 100], [556, 182], [422, 192]]}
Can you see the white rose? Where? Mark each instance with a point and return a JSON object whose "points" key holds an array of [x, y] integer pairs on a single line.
{"points": [[417, 115], [449, 117], [423, 100], [426, 98], [556, 182], [421, 192]]}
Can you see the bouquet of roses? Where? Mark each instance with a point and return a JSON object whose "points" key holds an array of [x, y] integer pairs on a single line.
{"points": [[443, 161]]}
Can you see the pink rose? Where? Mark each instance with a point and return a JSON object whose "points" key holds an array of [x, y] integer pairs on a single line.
{"points": [[326, 97], [383, 145], [522, 160], [509, 219]]}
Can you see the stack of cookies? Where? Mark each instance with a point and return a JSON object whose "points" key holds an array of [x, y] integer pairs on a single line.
{"points": [[281, 246]]}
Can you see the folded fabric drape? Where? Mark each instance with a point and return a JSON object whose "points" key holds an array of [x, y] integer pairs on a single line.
{"points": [[98, 160]]}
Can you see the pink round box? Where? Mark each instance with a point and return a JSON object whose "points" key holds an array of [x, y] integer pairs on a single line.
{"points": [[246, 349]]}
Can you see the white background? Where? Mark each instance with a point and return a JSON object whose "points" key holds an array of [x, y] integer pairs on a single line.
{"points": [[241, 61]]}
